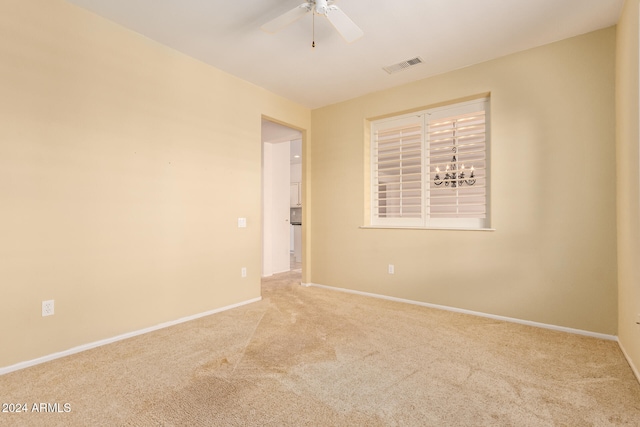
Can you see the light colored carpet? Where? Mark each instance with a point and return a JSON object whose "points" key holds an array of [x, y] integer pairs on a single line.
{"points": [[315, 357]]}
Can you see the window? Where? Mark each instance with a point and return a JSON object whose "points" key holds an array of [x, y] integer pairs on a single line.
{"points": [[429, 169]]}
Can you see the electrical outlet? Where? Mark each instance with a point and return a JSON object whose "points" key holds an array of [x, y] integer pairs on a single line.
{"points": [[242, 222], [243, 272], [47, 308], [392, 269]]}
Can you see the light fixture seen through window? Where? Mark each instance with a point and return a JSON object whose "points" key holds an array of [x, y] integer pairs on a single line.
{"points": [[453, 177]]}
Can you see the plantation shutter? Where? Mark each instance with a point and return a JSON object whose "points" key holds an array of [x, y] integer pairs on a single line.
{"points": [[430, 169], [457, 158], [397, 190]]}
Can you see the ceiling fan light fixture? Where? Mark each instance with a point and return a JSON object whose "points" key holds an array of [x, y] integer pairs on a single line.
{"points": [[321, 7], [340, 21]]}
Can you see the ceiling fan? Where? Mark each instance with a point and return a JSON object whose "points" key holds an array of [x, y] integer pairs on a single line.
{"points": [[345, 26]]}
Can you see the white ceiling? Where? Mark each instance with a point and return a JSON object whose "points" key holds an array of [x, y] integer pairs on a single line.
{"points": [[275, 133], [446, 34]]}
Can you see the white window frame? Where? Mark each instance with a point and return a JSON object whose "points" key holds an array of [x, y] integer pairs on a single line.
{"points": [[425, 220]]}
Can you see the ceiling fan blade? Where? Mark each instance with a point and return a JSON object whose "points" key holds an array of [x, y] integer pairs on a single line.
{"points": [[287, 18], [345, 26]]}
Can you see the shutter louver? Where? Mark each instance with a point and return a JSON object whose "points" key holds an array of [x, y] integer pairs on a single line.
{"points": [[397, 170]]}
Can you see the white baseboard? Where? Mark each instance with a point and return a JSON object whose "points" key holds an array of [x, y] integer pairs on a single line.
{"points": [[473, 313], [95, 344], [630, 361]]}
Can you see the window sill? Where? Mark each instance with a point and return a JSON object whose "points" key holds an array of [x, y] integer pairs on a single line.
{"points": [[389, 227]]}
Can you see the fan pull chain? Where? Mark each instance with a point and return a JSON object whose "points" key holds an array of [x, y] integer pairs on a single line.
{"points": [[313, 30]]}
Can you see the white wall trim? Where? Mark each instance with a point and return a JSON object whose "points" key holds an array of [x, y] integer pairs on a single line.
{"points": [[473, 313], [635, 370], [78, 349], [84, 347]]}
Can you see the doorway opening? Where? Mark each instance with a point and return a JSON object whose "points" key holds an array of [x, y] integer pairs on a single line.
{"points": [[281, 198]]}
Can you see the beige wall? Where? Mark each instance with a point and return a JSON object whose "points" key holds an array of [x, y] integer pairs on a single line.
{"points": [[124, 166], [628, 181], [552, 256]]}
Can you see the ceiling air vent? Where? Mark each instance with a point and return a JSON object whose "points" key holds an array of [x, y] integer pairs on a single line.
{"points": [[403, 65]]}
